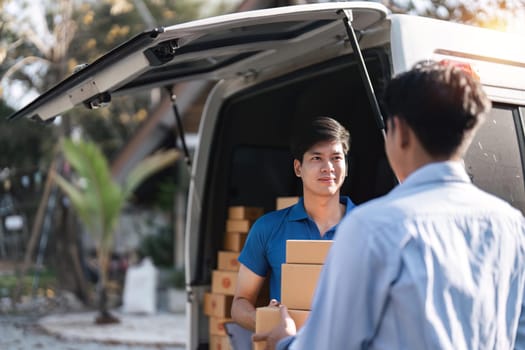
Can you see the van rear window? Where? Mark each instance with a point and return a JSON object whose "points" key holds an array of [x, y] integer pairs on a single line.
{"points": [[494, 161]]}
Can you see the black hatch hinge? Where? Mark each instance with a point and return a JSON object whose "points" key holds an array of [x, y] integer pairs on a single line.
{"points": [[162, 53], [347, 20]]}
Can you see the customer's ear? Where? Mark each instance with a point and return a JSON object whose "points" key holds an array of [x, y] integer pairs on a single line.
{"points": [[398, 130], [404, 131], [297, 167]]}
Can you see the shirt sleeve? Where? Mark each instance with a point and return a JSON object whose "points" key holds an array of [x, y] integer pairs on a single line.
{"points": [[253, 254], [520, 335], [284, 343], [352, 291]]}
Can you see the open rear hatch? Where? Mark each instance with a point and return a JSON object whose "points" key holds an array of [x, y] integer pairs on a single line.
{"points": [[212, 49]]}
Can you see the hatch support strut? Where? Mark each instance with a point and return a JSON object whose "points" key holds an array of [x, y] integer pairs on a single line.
{"points": [[347, 20], [180, 129]]}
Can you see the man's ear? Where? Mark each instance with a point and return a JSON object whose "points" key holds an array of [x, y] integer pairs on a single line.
{"points": [[402, 129], [297, 167]]}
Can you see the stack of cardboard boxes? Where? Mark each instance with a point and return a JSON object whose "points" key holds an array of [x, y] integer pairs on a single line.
{"points": [[217, 304], [299, 277]]}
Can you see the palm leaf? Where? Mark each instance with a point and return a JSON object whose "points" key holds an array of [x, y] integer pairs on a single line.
{"points": [[78, 200], [102, 193]]}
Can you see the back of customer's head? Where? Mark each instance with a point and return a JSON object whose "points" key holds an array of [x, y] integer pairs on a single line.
{"points": [[442, 103], [319, 129]]}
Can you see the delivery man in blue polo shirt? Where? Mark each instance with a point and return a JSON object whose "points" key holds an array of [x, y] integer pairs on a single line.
{"points": [[319, 149]]}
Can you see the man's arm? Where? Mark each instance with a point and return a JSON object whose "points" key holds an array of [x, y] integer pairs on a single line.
{"points": [[243, 306], [350, 295]]}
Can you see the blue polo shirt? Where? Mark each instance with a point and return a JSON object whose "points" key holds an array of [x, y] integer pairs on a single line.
{"points": [[265, 247]]}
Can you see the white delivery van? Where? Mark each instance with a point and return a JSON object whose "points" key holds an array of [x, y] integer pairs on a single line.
{"points": [[273, 68]]}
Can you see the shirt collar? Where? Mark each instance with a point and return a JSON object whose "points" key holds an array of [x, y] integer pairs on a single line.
{"points": [[298, 212], [449, 171]]}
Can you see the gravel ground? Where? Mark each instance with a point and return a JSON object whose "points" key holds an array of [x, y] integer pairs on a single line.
{"points": [[20, 328], [21, 332]]}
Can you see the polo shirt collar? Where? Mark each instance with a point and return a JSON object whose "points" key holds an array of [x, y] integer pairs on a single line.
{"points": [[298, 212]]}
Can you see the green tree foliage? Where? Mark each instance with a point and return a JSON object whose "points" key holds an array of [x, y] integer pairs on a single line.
{"points": [[495, 14], [159, 247], [31, 57], [29, 153], [25, 149], [29, 150], [36, 43]]}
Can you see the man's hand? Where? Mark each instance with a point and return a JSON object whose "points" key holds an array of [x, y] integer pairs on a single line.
{"points": [[283, 330]]}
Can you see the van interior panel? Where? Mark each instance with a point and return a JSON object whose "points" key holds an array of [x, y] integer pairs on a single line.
{"points": [[252, 163]]}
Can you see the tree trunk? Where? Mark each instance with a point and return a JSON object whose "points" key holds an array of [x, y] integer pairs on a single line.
{"points": [[104, 316], [68, 254]]}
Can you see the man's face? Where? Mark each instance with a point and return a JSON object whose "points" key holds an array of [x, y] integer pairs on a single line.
{"points": [[323, 169]]}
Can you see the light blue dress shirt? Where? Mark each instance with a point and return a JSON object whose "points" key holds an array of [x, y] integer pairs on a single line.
{"points": [[435, 264]]}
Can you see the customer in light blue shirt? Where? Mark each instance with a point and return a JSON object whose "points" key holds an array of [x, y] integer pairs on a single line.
{"points": [[435, 264], [319, 148]]}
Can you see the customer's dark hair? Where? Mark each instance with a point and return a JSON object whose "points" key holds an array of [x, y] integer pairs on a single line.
{"points": [[317, 130], [441, 102]]}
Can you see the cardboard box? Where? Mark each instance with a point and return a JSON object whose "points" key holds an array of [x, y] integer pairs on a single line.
{"points": [[298, 284], [223, 282], [217, 325], [234, 241], [227, 261], [236, 225], [218, 305], [244, 213], [259, 345], [266, 318], [307, 251], [285, 202], [219, 342]]}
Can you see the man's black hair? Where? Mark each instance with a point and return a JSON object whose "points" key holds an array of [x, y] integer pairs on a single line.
{"points": [[441, 102], [318, 130]]}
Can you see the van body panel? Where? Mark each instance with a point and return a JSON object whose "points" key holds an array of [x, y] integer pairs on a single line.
{"points": [[497, 58], [416, 38]]}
